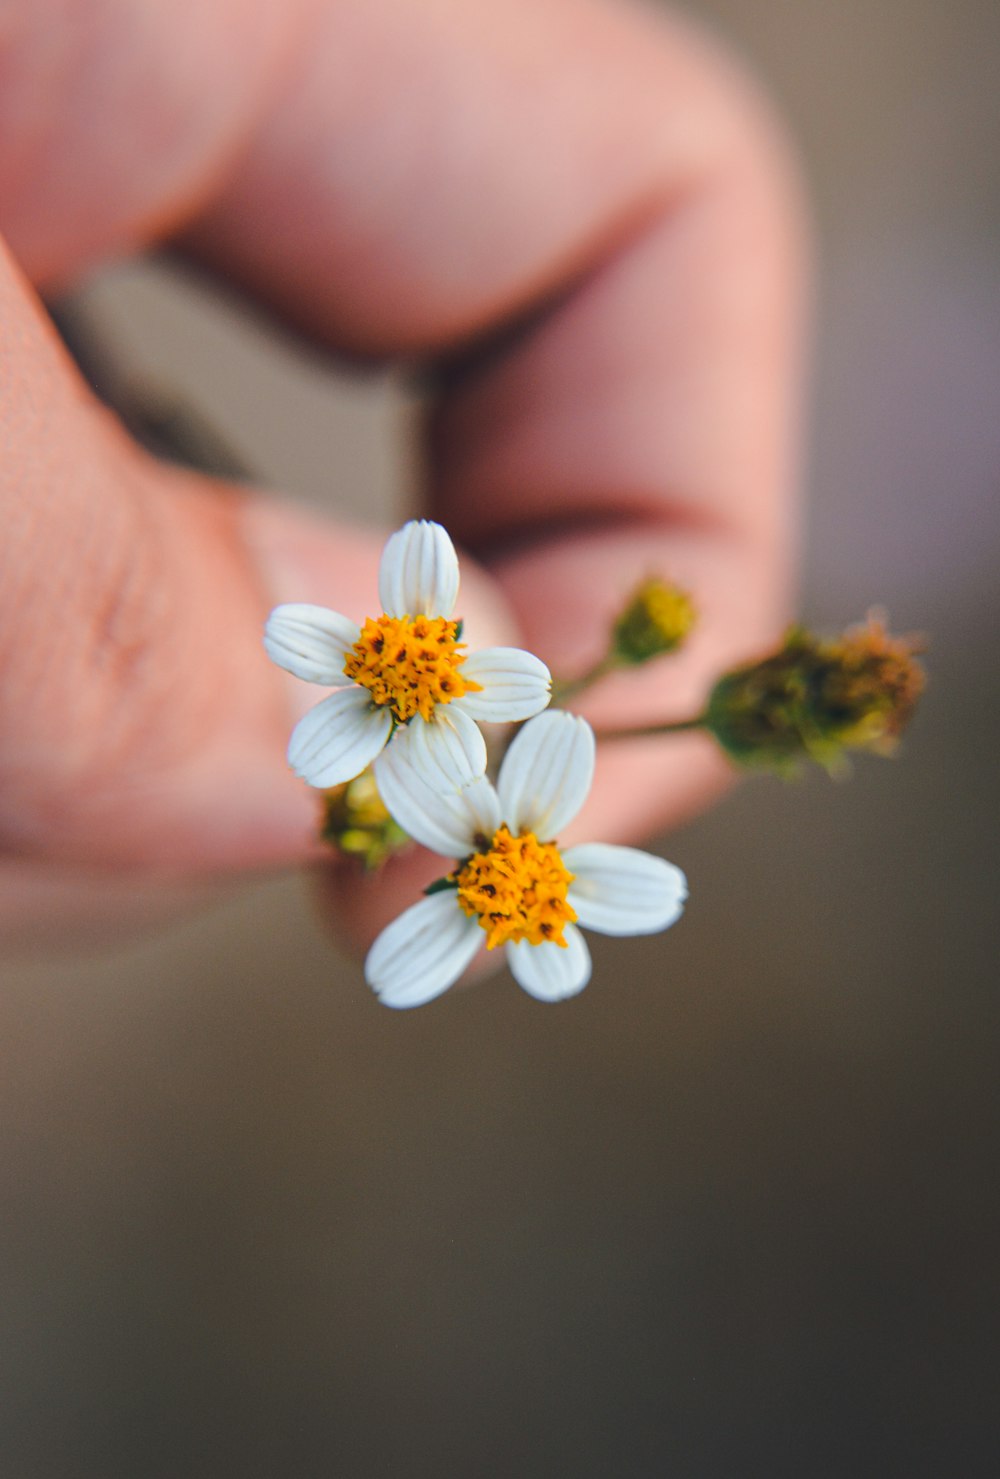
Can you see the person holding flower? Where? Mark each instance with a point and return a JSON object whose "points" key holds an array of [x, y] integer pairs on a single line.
{"points": [[580, 216]]}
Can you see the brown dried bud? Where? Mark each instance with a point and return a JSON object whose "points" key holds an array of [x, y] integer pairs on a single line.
{"points": [[814, 699]]}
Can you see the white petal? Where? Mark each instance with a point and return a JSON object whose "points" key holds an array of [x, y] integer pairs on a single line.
{"points": [[515, 685], [482, 806], [311, 642], [423, 952], [419, 571], [448, 750], [549, 972], [448, 822], [338, 738], [622, 891], [546, 774]]}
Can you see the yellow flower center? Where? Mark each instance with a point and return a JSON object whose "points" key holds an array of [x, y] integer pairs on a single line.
{"points": [[409, 665], [518, 889]]}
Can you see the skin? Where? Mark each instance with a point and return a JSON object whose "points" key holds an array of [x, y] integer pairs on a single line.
{"points": [[578, 219]]}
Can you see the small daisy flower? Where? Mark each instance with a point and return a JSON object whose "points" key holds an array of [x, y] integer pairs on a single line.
{"points": [[513, 886], [403, 678]]}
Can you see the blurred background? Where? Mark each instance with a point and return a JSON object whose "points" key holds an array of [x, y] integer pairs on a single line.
{"points": [[734, 1213]]}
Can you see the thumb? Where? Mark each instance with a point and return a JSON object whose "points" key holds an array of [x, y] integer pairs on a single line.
{"points": [[140, 720]]}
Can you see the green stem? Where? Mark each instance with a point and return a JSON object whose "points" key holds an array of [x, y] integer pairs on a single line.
{"points": [[570, 687], [676, 726]]}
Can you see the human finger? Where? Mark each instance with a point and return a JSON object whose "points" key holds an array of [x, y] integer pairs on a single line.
{"points": [[608, 274], [589, 219]]}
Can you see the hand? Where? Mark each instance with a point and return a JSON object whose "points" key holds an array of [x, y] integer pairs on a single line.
{"points": [[579, 214]]}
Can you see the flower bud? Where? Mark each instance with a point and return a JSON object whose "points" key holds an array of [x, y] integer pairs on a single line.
{"points": [[656, 619], [814, 699], [357, 823]]}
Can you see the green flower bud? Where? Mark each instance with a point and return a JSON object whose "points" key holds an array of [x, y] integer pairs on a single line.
{"points": [[656, 620], [357, 824]]}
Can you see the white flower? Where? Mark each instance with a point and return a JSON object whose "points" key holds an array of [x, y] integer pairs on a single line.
{"points": [[402, 677], [513, 884]]}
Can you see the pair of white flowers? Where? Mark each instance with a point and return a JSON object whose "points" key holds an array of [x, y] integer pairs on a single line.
{"points": [[408, 701]]}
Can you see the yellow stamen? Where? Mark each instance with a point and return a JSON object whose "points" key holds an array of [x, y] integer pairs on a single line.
{"points": [[518, 889], [410, 665]]}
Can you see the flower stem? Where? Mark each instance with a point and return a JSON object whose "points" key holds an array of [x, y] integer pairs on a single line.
{"points": [[646, 731], [562, 689]]}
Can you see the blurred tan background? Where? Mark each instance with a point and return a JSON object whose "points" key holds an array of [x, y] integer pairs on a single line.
{"points": [[733, 1212]]}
